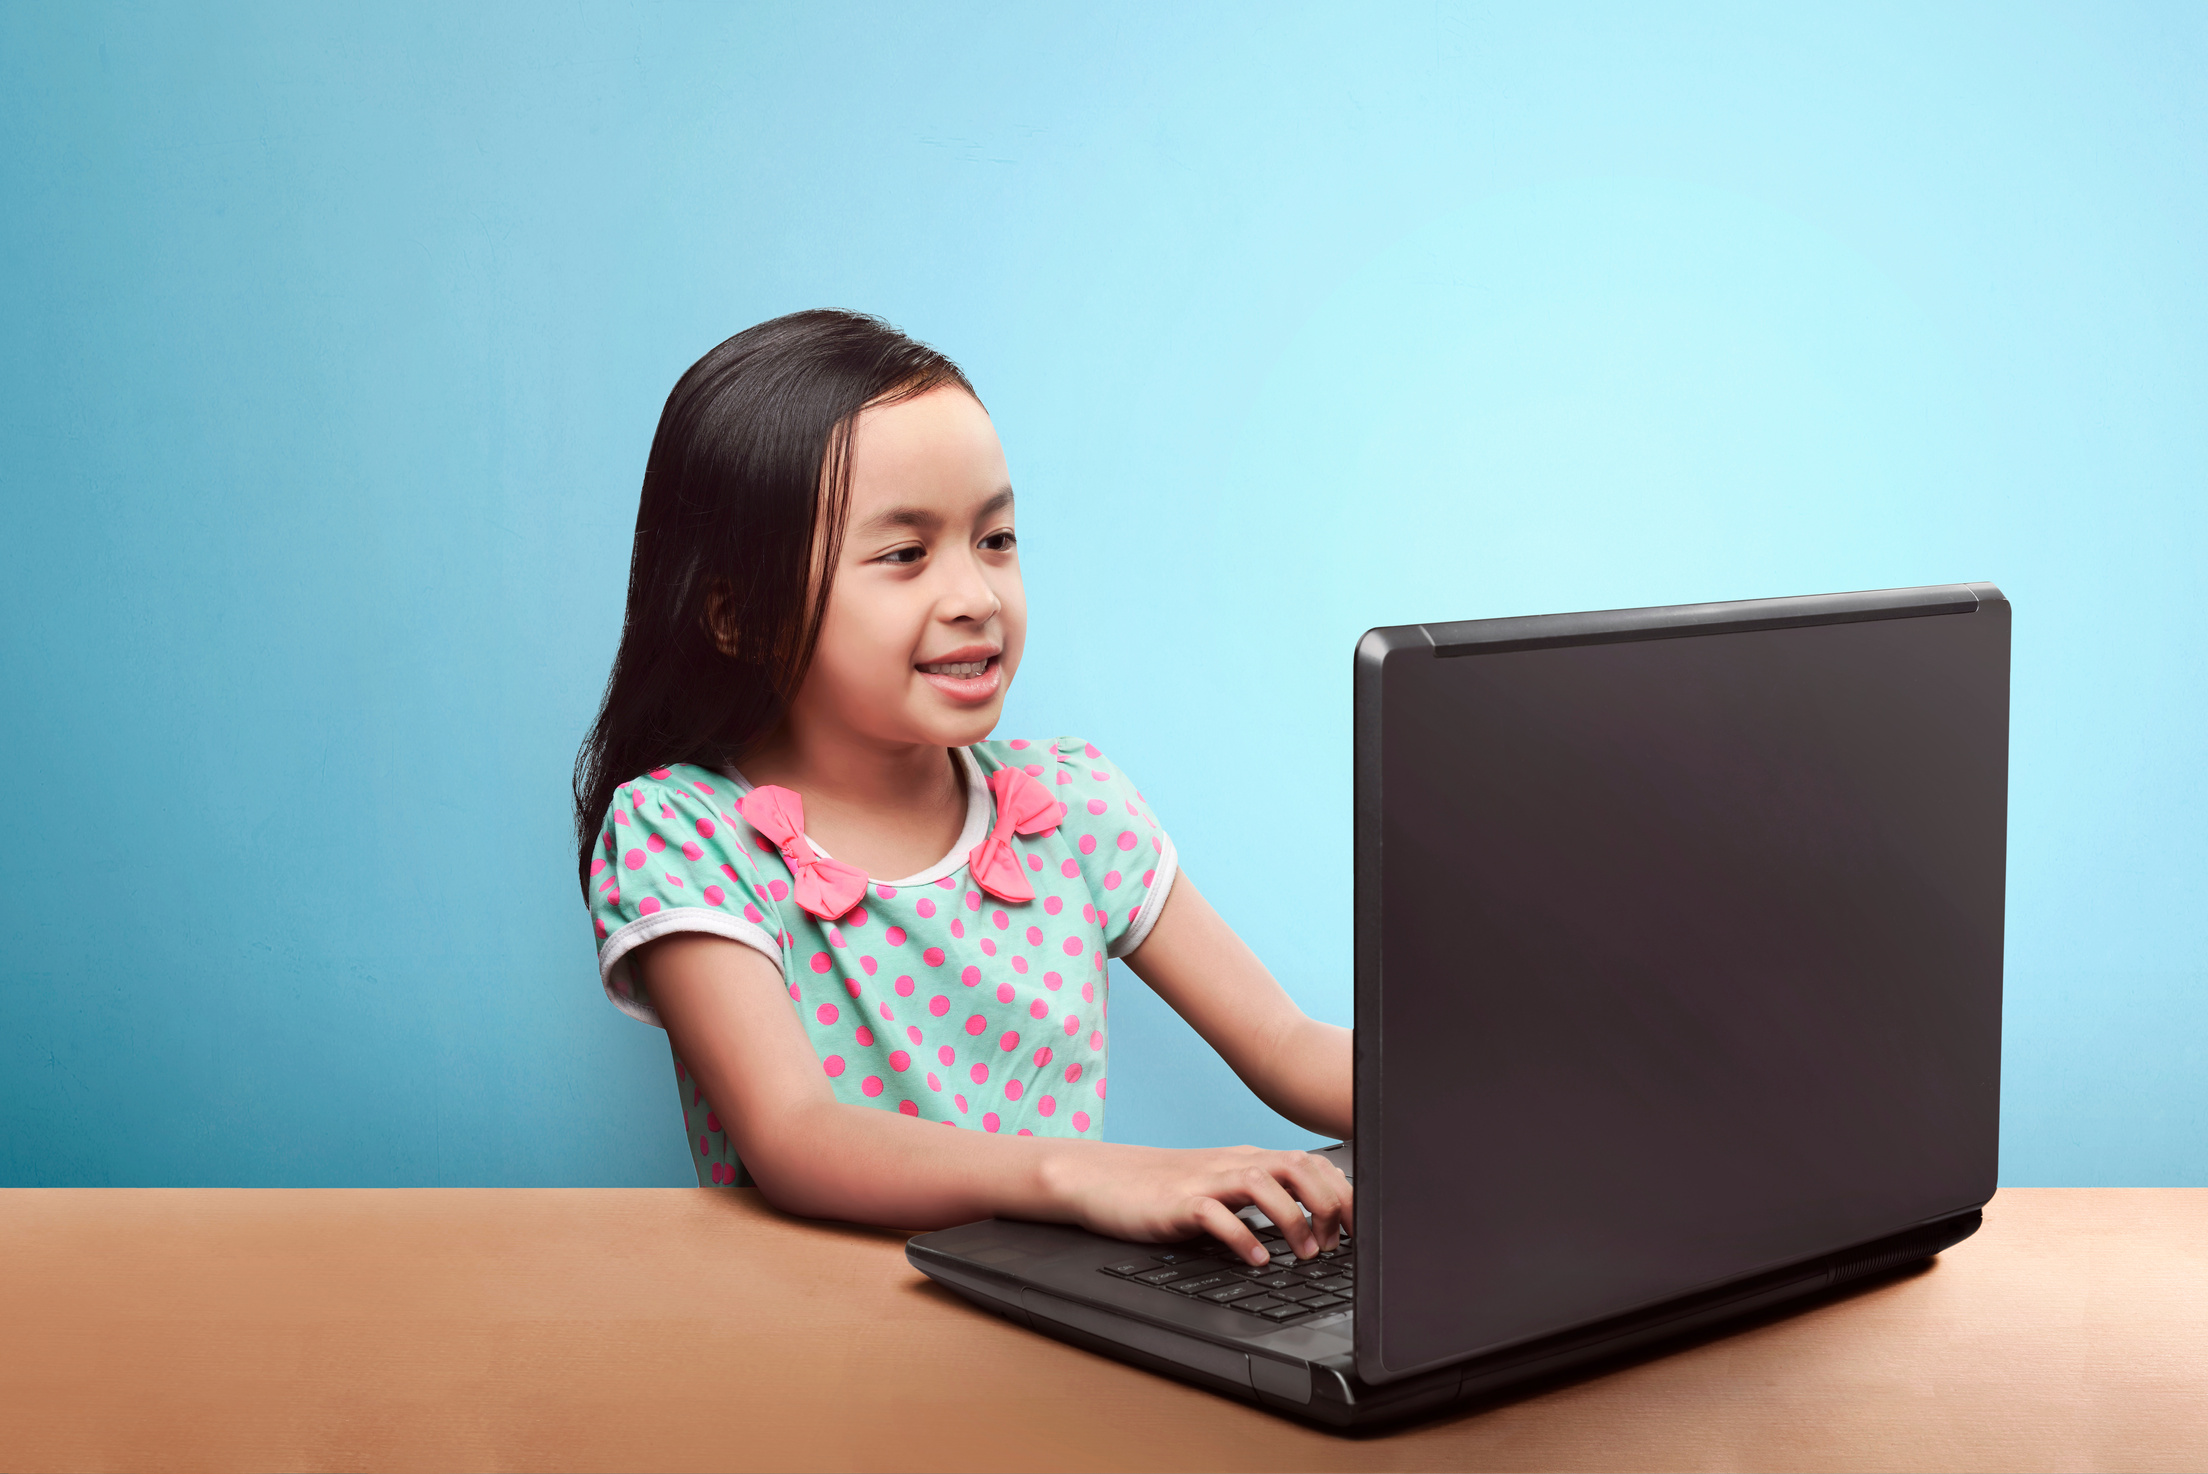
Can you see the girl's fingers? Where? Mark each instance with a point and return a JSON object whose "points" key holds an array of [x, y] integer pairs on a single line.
{"points": [[1325, 1193], [1221, 1222], [1264, 1189]]}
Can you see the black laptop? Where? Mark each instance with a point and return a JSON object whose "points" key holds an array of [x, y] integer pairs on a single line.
{"points": [[1678, 950]]}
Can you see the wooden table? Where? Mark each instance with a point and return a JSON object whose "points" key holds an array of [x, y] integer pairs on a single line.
{"points": [[197, 1329]]}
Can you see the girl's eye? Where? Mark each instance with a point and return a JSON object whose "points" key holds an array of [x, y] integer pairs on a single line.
{"points": [[998, 542], [901, 555]]}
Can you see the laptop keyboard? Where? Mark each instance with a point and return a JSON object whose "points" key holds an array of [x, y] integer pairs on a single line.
{"points": [[1285, 1291]]}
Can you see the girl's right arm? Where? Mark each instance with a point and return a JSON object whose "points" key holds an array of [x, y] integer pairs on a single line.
{"points": [[729, 1017]]}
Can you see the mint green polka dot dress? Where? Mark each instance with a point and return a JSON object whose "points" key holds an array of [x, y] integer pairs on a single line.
{"points": [[931, 996]]}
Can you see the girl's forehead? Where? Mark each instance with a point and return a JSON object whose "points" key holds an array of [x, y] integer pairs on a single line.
{"points": [[936, 452]]}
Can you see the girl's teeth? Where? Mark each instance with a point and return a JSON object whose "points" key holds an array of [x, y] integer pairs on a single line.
{"points": [[962, 670]]}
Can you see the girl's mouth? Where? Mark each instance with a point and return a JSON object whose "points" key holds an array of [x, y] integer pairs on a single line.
{"points": [[964, 680]]}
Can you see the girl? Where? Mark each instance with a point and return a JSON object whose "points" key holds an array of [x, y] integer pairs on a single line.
{"points": [[858, 920]]}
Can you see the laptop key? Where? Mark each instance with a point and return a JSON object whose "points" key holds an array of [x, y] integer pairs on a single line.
{"points": [[1336, 1285], [1324, 1302], [1313, 1271], [1128, 1268], [1172, 1272], [1285, 1312], [1258, 1304], [1276, 1280], [1228, 1294], [1196, 1284], [1298, 1292]]}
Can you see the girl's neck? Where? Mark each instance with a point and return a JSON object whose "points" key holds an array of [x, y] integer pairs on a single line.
{"points": [[892, 809]]}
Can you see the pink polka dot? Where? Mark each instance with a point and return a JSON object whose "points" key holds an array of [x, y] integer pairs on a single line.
{"points": [[1080, 1120], [1088, 913], [907, 1108], [654, 843], [1088, 844], [1013, 1089], [887, 1016], [660, 773], [958, 928], [970, 976], [863, 1037], [857, 916], [1100, 1087], [1000, 919], [1004, 992], [704, 788], [1089, 749], [868, 966], [945, 1055], [1053, 982], [1096, 1039], [1099, 775], [596, 866], [899, 1060], [778, 889], [933, 957], [793, 990], [826, 1013], [851, 986], [989, 1122], [988, 948], [634, 859], [1033, 770], [976, 1024], [913, 1034], [871, 1086], [1096, 806], [692, 850], [895, 936], [939, 1005], [1069, 869], [904, 987], [822, 962], [973, 900], [1034, 863], [647, 906], [1053, 905], [1149, 877], [1111, 880], [705, 828], [926, 907], [713, 895], [835, 936], [979, 1074], [612, 893], [1034, 936], [705, 1146], [1019, 964], [947, 883], [1073, 1074], [753, 913], [1073, 946], [1064, 776], [712, 1121], [1046, 1106], [1073, 1026], [935, 1082], [1042, 1056], [1088, 992], [833, 1064], [1038, 1009], [1009, 1042], [601, 928], [673, 879], [960, 1102], [1019, 744]]}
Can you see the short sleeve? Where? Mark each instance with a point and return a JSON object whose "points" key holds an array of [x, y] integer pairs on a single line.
{"points": [[671, 857], [1125, 856]]}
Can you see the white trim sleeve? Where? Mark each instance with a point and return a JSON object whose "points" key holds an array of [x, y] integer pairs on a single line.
{"points": [[613, 954], [1146, 915]]}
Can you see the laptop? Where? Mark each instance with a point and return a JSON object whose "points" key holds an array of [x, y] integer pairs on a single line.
{"points": [[1678, 1003]]}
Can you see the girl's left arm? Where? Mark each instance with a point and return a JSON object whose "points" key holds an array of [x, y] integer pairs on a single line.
{"points": [[1295, 1064]]}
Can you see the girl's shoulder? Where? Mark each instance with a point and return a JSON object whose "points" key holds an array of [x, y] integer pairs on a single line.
{"points": [[1060, 761], [682, 783]]}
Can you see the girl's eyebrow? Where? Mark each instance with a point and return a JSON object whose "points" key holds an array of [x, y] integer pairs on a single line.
{"points": [[922, 518]]}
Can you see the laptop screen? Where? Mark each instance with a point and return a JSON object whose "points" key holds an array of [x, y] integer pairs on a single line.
{"points": [[1684, 952]]}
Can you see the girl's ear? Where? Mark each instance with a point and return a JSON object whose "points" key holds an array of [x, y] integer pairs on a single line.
{"points": [[720, 621]]}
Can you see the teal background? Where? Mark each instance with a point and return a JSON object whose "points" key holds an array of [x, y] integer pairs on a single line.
{"points": [[333, 343]]}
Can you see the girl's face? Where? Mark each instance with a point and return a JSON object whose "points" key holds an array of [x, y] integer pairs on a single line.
{"points": [[927, 616]]}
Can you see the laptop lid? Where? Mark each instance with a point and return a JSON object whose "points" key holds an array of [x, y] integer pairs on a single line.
{"points": [[1679, 939]]}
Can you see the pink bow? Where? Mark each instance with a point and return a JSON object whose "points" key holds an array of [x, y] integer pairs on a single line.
{"points": [[1023, 807], [827, 888]]}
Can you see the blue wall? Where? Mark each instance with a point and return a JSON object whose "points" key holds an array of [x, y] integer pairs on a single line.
{"points": [[333, 344]]}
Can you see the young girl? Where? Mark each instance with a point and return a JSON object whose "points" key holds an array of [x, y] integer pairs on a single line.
{"points": [[858, 919]]}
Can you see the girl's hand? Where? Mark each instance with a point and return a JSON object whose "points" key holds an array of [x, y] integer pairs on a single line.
{"points": [[1155, 1195]]}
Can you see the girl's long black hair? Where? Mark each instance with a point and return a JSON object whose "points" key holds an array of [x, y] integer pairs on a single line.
{"points": [[744, 497]]}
